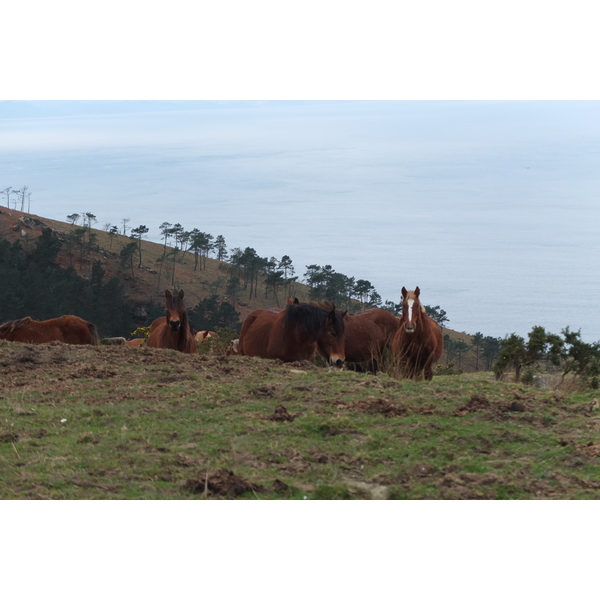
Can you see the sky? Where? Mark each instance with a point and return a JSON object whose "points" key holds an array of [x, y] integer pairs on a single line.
{"points": [[466, 199]]}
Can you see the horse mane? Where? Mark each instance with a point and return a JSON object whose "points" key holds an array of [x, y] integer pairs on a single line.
{"points": [[176, 303], [10, 326], [312, 317]]}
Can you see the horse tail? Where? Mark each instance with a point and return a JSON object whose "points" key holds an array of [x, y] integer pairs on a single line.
{"points": [[94, 337]]}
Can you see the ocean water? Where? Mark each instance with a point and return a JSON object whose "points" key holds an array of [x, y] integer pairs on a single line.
{"points": [[491, 208]]}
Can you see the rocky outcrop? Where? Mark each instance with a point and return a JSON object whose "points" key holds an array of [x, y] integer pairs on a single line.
{"points": [[30, 223]]}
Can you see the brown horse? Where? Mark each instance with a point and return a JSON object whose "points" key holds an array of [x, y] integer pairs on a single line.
{"points": [[368, 335], [205, 334], [294, 333], [173, 331], [418, 344], [68, 329]]}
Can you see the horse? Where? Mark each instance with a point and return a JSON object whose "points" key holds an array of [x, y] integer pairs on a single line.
{"points": [[200, 336], [418, 343], [173, 331], [233, 348], [135, 342], [68, 329], [368, 335], [297, 332]]}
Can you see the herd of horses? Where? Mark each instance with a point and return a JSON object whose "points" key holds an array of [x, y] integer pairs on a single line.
{"points": [[297, 332]]}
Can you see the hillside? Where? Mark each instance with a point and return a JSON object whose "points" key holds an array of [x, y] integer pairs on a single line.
{"points": [[148, 282], [146, 285]]}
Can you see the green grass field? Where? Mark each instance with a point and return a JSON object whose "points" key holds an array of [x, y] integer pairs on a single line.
{"points": [[138, 423]]}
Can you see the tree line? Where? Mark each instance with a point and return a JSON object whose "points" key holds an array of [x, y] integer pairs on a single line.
{"points": [[37, 286]]}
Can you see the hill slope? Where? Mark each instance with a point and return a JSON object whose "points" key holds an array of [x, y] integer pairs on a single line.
{"points": [[149, 282]]}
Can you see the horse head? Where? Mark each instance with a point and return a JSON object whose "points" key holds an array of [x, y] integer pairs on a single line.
{"points": [[320, 324], [175, 308], [331, 344], [412, 309]]}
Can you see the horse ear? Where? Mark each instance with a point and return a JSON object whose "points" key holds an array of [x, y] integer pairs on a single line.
{"points": [[404, 292], [417, 291], [168, 294], [181, 294], [296, 301]]}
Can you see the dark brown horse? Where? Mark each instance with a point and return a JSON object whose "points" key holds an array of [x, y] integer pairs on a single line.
{"points": [[418, 344], [173, 331], [68, 329], [368, 336], [297, 332]]}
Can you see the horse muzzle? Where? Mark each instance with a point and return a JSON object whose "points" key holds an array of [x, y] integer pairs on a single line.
{"points": [[409, 328], [335, 361], [175, 325]]}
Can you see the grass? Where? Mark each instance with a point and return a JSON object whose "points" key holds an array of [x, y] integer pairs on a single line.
{"points": [[125, 423]]}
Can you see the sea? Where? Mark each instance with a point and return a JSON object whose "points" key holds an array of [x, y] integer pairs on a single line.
{"points": [[492, 208]]}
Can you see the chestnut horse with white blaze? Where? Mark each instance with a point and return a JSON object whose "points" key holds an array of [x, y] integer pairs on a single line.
{"points": [[297, 332], [173, 331], [418, 344], [68, 329]]}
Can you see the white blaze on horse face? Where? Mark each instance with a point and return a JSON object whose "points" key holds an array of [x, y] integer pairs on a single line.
{"points": [[410, 310]]}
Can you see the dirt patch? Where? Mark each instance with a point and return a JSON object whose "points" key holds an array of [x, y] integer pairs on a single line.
{"points": [[290, 461], [303, 365], [263, 392], [93, 372], [590, 449], [380, 407], [222, 483], [476, 403], [280, 486], [281, 414], [469, 486]]}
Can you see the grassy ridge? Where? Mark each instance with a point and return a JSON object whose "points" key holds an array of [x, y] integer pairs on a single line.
{"points": [[116, 422]]}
